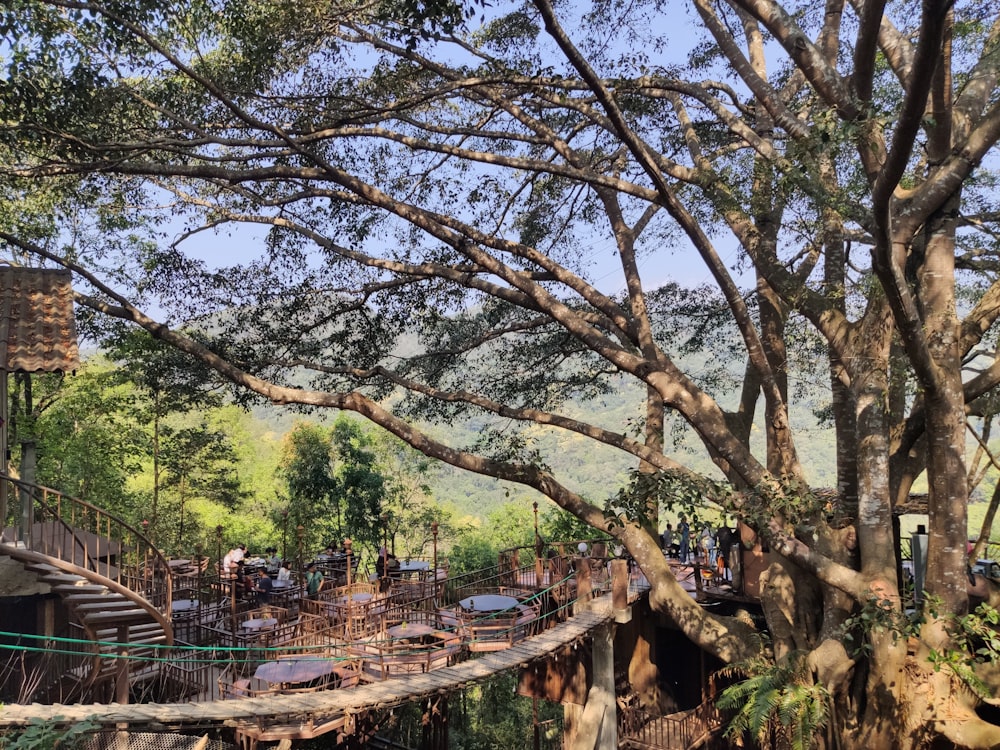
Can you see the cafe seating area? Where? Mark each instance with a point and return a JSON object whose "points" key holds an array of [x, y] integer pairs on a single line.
{"points": [[496, 621], [360, 631], [288, 673], [412, 646]]}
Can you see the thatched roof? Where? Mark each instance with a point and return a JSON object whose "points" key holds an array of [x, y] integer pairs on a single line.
{"points": [[37, 327]]}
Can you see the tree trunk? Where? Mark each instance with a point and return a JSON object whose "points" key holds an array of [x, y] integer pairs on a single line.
{"points": [[879, 696]]}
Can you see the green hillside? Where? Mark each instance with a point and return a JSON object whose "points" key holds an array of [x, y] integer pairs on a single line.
{"points": [[593, 470]]}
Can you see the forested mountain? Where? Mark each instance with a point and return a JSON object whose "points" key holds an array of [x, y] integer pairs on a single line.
{"points": [[597, 471]]}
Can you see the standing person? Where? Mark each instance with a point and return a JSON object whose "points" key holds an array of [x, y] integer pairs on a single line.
{"points": [[685, 531], [726, 539], [707, 543], [314, 580]]}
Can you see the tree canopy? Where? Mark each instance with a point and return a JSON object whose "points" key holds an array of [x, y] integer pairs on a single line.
{"points": [[421, 213]]}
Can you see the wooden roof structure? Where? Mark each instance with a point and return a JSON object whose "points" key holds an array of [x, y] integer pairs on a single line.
{"points": [[37, 326]]}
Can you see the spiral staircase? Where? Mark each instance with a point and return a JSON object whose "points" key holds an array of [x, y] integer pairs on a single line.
{"points": [[114, 584]]}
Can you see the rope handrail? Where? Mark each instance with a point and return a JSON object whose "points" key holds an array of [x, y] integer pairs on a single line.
{"points": [[320, 704], [181, 651]]}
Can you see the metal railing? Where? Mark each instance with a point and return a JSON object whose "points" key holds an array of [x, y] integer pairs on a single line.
{"points": [[637, 728], [74, 531]]}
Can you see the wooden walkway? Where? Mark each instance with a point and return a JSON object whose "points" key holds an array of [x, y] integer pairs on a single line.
{"points": [[319, 708]]}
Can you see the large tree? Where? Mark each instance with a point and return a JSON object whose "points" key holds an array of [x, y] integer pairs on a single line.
{"points": [[166, 385], [437, 211]]}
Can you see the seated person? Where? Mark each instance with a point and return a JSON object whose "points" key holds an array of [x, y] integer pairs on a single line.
{"points": [[284, 572], [386, 563], [273, 562], [263, 587], [244, 584], [233, 556]]}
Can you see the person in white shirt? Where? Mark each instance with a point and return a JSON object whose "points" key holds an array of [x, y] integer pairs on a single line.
{"points": [[284, 574], [232, 557]]}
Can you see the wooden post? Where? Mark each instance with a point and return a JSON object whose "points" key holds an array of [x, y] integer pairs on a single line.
{"points": [[536, 734], [121, 668], [284, 535], [539, 550], [218, 552], [595, 724], [197, 561], [434, 573], [4, 417], [350, 596], [300, 530], [584, 586], [232, 606], [619, 584], [347, 551]]}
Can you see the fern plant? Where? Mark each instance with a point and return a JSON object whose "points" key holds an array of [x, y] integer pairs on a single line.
{"points": [[775, 700]]}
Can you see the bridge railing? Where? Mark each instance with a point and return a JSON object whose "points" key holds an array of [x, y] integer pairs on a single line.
{"points": [[74, 531], [644, 730]]}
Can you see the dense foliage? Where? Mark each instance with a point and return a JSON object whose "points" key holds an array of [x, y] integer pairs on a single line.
{"points": [[431, 213]]}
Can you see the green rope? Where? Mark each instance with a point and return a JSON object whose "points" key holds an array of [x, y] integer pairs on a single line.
{"points": [[187, 652]]}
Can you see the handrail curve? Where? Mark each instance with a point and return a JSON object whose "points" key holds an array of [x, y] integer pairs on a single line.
{"points": [[139, 566]]}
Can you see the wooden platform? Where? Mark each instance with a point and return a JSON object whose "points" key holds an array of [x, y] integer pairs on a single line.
{"points": [[321, 707]]}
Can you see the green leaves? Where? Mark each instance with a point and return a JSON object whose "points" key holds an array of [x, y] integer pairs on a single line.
{"points": [[879, 616], [976, 641], [677, 492], [43, 735], [775, 700]]}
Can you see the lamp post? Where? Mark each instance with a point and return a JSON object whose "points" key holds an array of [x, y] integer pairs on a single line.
{"points": [[284, 534], [434, 573], [538, 549], [350, 594], [218, 548], [384, 552], [347, 552], [300, 530], [197, 559]]}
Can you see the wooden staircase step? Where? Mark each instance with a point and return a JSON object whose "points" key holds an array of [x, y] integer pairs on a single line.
{"points": [[136, 646], [83, 599], [118, 604], [82, 588], [143, 640], [122, 617], [56, 578], [145, 627], [43, 568], [136, 653], [107, 615]]}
